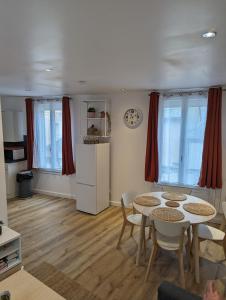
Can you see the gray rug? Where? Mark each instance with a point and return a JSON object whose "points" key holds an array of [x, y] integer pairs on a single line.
{"points": [[61, 284]]}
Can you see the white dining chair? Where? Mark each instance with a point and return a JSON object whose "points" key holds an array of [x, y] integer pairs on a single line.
{"points": [[171, 237], [218, 236], [131, 219]]}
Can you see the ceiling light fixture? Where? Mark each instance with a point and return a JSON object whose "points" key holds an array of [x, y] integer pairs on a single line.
{"points": [[49, 69], [209, 34]]}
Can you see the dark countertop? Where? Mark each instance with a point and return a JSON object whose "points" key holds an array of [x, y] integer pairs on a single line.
{"points": [[14, 161]]}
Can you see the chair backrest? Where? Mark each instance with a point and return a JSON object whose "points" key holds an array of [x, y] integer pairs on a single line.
{"points": [[171, 229], [126, 201], [128, 198]]}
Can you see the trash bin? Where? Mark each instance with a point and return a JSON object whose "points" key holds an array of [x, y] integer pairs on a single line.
{"points": [[24, 179]]}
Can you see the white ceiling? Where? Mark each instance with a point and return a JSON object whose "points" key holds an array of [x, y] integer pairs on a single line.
{"points": [[112, 44]]}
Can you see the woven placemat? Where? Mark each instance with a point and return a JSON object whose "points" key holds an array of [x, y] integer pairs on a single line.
{"points": [[168, 214], [147, 201], [174, 196], [199, 209], [172, 203]]}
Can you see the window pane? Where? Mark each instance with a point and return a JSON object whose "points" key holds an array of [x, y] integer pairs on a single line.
{"points": [[193, 142], [48, 135], [170, 140], [182, 121], [58, 130]]}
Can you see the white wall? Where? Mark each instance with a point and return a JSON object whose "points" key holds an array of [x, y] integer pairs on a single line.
{"points": [[3, 202], [128, 145], [128, 148]]}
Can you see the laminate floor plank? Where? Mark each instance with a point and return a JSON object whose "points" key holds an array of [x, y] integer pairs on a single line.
{"points": [[79, 250]]}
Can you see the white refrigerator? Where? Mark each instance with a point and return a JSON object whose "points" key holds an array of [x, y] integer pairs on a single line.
{"points": [[93, 176]]}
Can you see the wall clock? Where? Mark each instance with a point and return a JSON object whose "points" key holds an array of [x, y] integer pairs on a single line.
{"points": [[133, 117]]}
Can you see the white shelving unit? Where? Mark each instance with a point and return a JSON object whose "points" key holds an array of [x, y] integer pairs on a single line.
{"points": [[10, 243], [101, 120], [93, 155]]}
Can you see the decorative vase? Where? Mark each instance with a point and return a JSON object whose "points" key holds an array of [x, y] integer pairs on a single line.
{"points": [[102, 114], [91, 114]]}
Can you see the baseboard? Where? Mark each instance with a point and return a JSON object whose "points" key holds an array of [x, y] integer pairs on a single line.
{"points": [[56, 194], [68, 196], [115, 203]]}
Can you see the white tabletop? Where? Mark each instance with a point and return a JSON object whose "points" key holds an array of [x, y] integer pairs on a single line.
{"points": [[192, 218]]}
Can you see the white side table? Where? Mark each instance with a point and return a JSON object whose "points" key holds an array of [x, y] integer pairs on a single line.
{"points": [[10, 251]]}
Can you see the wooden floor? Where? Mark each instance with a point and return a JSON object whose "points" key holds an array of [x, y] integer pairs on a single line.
{"points": [[82, 248]]}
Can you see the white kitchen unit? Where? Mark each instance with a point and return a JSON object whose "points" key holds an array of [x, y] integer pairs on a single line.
{"points": [[13, 126], [11, 169], [93, 177]]}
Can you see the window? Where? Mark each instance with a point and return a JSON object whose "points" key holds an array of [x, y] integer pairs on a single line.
{"points": [[182, 121], [48, 135]]}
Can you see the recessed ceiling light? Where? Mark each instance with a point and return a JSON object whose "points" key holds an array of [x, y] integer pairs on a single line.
{"points": [[209, 34], [49, 69]]}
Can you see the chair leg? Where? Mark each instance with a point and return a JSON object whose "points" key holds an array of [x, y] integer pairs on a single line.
{"points": [[223, 224], [131, 231], [121, 234], [188, 253], [181, 267], [224, 246], [149, 233], [151, 260], [145, 245], [189, 238]]}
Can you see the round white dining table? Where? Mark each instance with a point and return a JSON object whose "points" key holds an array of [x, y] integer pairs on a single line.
{"points": [[192, 218]]}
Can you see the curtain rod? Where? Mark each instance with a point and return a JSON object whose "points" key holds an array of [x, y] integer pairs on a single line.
{"points": [[57, 98], [184, 90]]}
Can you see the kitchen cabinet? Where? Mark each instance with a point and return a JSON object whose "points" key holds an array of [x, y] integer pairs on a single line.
{"points": [[13, 126]]}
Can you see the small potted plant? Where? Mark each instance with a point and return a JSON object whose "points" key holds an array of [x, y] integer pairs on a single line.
{"points": [[91, 112], [1, 223]]}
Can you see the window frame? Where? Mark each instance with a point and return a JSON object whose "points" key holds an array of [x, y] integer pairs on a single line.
{"points": [[52, 117], [184, 116]]}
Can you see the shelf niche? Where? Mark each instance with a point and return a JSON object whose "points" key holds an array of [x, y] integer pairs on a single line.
{"points": [[95, 126]]}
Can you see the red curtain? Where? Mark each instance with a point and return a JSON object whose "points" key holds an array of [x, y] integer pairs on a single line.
{"points": [[211, 170], [151, 162], [68, 167], [30, 132]]}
